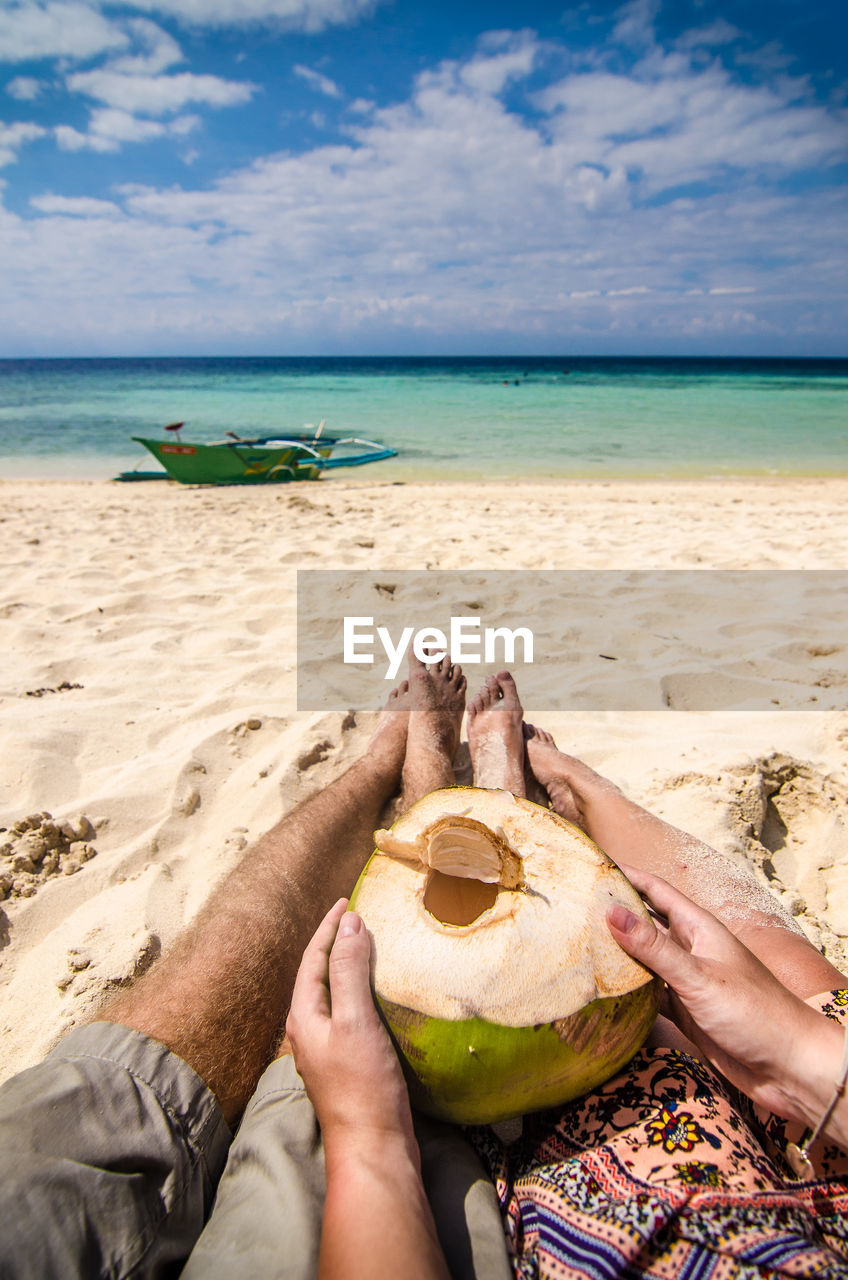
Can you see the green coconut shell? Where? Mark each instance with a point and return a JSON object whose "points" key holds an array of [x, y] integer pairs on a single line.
{"points": [[468, 1070], [475, 1072]]}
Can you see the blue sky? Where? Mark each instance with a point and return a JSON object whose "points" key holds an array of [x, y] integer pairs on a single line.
{"points": [[358, 176]]}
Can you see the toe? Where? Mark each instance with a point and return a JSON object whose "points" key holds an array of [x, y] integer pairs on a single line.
{"points": [[507, 686], [488, 694], [477, 704]]}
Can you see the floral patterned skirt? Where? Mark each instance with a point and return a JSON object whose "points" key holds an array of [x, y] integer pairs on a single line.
{"points": [[667, 1171]]}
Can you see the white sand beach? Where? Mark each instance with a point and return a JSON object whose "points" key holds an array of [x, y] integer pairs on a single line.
{"points": [[149, 684]]}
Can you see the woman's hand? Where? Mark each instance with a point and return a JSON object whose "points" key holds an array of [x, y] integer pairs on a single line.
{"points": [[341, 1048], [763, 1038], [377, 1221]]}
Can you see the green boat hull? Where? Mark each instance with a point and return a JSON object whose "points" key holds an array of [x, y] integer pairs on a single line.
{"points": [[235, 463]]}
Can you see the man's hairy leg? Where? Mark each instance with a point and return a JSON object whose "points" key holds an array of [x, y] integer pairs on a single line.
{"points": [[436, 703], [219, 997]]}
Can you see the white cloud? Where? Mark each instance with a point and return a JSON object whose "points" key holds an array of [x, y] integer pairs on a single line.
{"points": [[75, 206], [635, 25], [158, 95], [158, 50], [709, 37], [450, 214], [110, 128], [495, 67], [322, 84], [78, 29], [120, 126], [685, 124], [719, 323], [70, 139], [15, 136], [24, 88], [299, 15], [771, 57], [61, 29]]}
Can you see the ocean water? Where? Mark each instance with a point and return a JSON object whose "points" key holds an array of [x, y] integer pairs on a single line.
{"points": [[448, 418]]}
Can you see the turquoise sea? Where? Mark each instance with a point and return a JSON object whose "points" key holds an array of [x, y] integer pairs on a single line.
{"points": [[448, 418]]}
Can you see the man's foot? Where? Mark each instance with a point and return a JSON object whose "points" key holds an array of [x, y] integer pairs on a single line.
{"points": [[387, 746], [436, 701], [496, 735], [568, 781]]}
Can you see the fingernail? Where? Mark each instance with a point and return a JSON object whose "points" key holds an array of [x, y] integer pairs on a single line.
{"points": [[622, 919], [349, 924]]}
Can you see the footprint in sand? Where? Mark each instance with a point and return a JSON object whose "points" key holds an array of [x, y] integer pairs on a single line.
{"points": [[790, 822]]}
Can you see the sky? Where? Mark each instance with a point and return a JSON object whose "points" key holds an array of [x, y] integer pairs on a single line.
{"points": [[294, 177]]}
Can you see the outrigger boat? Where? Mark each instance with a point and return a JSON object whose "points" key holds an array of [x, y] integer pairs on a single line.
{"points": [[263, 460]]}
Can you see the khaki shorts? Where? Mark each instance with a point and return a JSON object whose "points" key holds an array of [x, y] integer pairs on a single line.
{"points": [[115, 1161]]}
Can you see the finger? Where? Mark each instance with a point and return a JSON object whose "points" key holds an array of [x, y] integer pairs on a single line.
{"points": [[350, 982], [681, 912], [655, 949], [311, 994]]}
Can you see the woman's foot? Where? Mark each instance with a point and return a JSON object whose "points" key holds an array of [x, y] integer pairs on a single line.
{"points": [[568, 782], [533, 788], [436, 705], [496, 735]]}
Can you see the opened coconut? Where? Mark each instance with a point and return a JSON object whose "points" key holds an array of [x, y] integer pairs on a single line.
{"points": [[492, 961]]}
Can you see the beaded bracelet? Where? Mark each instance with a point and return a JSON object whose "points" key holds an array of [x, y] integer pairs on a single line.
{"points": [[796, 1153]]}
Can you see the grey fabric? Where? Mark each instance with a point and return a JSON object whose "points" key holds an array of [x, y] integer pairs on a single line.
{"points": [[110, 1150], [464, 1203], [266, 1221]]}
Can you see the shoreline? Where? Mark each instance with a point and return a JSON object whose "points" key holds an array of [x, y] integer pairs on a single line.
{"points": [[400, 474], [439, 481]]}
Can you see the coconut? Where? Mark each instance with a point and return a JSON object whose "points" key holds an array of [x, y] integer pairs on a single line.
{"points": [[491, 959]]}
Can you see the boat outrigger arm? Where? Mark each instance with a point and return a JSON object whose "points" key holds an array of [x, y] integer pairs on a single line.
{"points": [[377, 452]]}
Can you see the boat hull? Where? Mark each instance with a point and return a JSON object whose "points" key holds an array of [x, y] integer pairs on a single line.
{"points": [[236, 463]]}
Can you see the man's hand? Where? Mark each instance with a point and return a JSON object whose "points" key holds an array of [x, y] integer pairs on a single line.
{"points": [[763, 1038], [341, 1048]]}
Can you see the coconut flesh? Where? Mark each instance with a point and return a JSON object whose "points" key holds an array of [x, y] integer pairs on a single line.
{"points": [[491, 959]]}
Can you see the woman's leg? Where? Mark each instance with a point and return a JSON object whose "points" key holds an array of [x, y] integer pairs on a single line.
{"points": [[630, 834]]}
